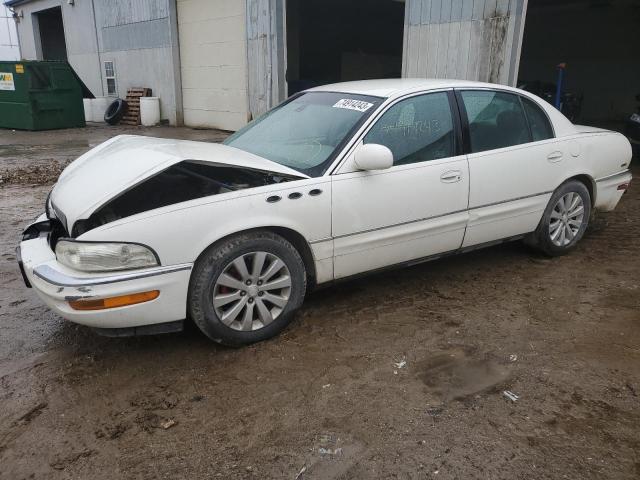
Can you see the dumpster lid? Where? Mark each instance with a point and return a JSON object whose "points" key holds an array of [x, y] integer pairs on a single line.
{"points": [[86, 93]]}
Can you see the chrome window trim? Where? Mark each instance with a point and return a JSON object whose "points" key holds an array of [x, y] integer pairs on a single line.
{"points": [[57, 278], [364, 129], [533, 98], [442, 215]]}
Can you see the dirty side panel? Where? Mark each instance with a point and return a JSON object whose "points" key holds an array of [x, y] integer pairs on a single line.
{"points": [[466, 39]]}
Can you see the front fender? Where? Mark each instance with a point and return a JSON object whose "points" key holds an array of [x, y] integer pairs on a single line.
{"points": [[180, 233]]}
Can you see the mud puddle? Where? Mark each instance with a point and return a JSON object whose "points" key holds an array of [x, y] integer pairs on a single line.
{"points": [[455, 375]]}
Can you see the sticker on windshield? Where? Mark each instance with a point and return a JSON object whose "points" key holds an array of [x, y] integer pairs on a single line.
{"points": [[350, 104]]}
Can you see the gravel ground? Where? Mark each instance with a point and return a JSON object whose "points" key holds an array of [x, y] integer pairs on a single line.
{"points": [[37, 158], [396, 375]]}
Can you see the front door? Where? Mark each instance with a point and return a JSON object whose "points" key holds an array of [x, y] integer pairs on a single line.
{"points": [[416, 208]]}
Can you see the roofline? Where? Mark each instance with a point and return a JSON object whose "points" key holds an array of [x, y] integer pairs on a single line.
{"points": [[420, 85], [11, 3]]}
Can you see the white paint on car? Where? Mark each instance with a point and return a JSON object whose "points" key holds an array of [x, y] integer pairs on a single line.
{"points": [[355, 222]]}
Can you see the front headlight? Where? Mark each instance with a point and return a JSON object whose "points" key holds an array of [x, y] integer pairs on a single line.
{"points": [[104, 257]]}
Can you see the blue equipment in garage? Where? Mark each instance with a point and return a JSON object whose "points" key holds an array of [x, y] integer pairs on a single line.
{"points": [[558, 100]]}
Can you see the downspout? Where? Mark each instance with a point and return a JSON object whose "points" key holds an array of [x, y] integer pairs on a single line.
{"points": [[247, 46], [95, 29], [16, 20], [175, 60]]}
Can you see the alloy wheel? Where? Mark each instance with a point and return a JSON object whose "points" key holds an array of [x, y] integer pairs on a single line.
{"points": [[566, 219], [252, 291]]}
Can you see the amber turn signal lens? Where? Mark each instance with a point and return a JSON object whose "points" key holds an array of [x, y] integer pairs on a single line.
{"points": [[114, 302]]}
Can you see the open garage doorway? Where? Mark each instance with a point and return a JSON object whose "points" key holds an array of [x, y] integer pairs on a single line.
{"points": [[599, 42], [51, 44], [340, 40]]}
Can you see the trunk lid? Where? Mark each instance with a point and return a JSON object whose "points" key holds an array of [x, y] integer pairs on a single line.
{"points": [[589, 129]]}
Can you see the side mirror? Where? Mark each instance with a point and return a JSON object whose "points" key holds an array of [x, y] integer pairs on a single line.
{"points": [[372, 156]]}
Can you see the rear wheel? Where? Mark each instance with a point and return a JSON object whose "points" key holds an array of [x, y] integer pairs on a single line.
{"points": [[247, 288], [564, 221]]}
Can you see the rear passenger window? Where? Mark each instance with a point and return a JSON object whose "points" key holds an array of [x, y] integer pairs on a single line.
{"points": [[496, 120], [538, 121], [417, 129]]}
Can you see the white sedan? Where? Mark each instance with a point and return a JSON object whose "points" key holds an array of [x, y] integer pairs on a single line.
{"points": [[141, 233]]}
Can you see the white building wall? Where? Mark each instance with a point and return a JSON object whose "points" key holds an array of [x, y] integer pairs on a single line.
{"points": [[80, 37], [213, 59], [9, 47], [136, 34], [463, 39]]}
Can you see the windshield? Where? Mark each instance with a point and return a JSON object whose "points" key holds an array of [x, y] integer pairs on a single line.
{"points": [[306, 132]]}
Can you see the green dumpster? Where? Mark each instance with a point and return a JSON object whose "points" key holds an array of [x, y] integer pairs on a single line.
{"points": [[37, 95]]}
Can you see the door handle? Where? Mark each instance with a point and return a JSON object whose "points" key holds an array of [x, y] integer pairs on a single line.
{"points": [[554, 157], [451, 176]]}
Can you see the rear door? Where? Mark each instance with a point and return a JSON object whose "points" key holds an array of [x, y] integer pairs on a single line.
{"points": [[414, 209], [514, 163]]}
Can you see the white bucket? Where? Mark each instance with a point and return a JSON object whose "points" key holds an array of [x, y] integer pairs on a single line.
{"points": [[99, 105], [86, 103], [149, 111]]}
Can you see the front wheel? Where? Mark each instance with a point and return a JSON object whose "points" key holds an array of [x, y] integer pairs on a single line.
{"points": [[246, 289], [564, 221]]}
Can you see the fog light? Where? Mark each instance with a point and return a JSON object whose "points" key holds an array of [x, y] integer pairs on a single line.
{"points": [[114, 302]]}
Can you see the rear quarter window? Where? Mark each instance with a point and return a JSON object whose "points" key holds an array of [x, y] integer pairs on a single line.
{"points": [[538, 121]]}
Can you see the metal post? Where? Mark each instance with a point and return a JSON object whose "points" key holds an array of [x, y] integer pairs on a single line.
{"points": [[558, 102]]}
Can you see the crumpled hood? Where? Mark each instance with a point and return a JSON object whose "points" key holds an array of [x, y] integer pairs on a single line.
{"points": [[126, 160]]}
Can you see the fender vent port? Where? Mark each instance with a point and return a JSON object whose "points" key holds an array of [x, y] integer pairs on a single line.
{"points": [[273, 199]]}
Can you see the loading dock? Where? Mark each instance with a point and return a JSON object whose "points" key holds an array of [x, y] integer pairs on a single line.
{"points": [[598, 40], [50, 42], [293, 44], [332, 41]]}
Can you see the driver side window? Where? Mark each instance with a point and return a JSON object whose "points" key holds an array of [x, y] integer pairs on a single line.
{"points": [[417, 129]]}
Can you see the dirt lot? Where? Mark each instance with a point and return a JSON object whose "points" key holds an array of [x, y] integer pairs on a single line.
{"points": [[332, 396]]}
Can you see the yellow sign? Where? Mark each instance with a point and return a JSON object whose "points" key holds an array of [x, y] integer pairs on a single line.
{"points": [[6, 81], [19, 68]]}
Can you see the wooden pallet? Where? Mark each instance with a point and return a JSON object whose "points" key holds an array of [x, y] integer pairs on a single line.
{"points": [[132, 117]]}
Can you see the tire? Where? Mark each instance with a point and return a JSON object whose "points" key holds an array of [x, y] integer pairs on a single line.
{"points": [[115, 111], [219, 296], [557, 234]]}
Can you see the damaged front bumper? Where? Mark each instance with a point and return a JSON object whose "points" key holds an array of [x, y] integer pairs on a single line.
{"points": [[57, 285]]}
